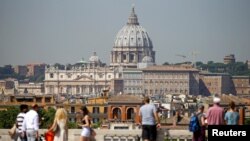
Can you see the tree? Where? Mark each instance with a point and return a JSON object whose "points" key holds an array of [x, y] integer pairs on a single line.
{"points": [[247, 121], [8, 117], [199, 63], [72, 125], [46, 117], [59, 66], [210, 62], [166, 63]]}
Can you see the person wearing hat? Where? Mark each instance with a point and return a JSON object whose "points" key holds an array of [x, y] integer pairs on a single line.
{"points": [[30, 124], [215, 114], [200, 135]]}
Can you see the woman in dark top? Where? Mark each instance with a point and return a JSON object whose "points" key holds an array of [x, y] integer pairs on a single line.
{"points": [[85, 134]]}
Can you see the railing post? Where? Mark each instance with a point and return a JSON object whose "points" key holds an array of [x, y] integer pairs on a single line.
{"points": [[166, 134]]}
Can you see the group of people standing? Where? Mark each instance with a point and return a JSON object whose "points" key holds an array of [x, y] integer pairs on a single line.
{"points": [[215, 115], [27, 123]]}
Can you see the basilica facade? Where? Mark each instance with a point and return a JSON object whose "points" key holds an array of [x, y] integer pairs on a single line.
{"points": [[127, 72]]}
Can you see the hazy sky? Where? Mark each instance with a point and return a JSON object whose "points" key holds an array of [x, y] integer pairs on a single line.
{"points": [[64, 31]]}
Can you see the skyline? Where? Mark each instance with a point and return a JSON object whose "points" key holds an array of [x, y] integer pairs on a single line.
{"points": [[66, 31]]}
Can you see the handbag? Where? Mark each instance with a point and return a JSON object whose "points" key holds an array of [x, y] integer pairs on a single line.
{"points": [[49, 136], [92, 132], [12, 131]]}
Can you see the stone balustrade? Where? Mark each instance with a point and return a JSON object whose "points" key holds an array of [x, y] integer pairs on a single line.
{"points": [[119, 135]]}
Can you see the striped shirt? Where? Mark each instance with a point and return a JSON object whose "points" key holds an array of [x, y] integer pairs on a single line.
{"points": [[19, 121]]}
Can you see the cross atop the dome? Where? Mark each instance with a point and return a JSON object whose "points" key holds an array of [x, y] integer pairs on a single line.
{"points": [[132, 19], [133, 7]]}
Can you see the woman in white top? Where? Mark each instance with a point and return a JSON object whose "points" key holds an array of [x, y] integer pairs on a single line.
{"points": [[60, 125]]}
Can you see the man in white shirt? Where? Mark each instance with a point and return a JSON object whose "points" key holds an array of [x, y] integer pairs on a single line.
{"points": [[30, 124]]}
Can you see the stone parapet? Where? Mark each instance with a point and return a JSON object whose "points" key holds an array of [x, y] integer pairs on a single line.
{"points": [[109, 135]]}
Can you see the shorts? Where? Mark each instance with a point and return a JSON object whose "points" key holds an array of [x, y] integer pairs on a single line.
{"points": [[85, 132], [149, 132]]}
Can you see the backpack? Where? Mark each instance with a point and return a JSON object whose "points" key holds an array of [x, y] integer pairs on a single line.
{"points": [[194, 124]]}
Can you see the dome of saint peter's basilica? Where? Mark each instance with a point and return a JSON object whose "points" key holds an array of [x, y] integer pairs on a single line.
{"points": [[131, 44]]}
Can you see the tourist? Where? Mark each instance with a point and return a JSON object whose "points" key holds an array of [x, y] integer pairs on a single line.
{"points": [[60, 125], [19, 122], [231, 116], [30, 124], [86, 131], [215, 114], [200, 135], [149, 120]]}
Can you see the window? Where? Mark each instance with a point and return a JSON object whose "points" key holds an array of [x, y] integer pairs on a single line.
{"points": [[105, 109], [51, 75], [95, 120], [95, 109], [51, 89], [124, 57], [77, 89], [120, 75], [39, 99], [72, 109], [131, 57], [47, 100]]}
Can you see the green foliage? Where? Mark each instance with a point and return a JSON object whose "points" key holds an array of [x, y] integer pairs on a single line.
{"points": [[59, 66], [8, 117], [166, 63], [72, 125], [97, 124], [47, 117], [238, 68], [247, 121]]}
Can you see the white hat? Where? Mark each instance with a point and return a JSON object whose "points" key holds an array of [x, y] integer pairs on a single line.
{"points": [[216, 100]]}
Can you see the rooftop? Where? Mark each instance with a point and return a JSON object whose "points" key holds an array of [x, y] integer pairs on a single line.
{"points": [[170, 68]]}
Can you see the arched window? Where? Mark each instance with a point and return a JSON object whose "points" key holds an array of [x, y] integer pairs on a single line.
{"points": [[130, 114], [117, 113]]}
